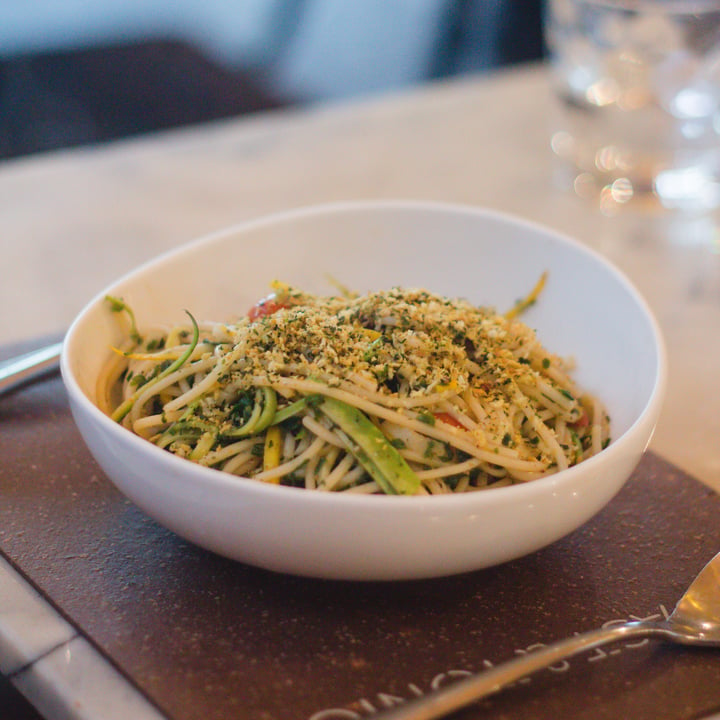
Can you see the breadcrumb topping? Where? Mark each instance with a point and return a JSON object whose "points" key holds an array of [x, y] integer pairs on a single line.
{"points": [[406, 341]]}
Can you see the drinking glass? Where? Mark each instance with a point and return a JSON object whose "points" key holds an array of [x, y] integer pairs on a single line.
{"points": [[638, 84]]}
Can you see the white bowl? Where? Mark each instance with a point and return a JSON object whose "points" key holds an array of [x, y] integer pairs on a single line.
{"points": [[588, 310]]}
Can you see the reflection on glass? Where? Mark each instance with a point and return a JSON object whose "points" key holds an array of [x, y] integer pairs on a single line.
{"points": [[639, 89]]}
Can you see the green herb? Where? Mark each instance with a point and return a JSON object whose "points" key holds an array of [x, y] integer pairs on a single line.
{"points": [[449, 454], [118, 305], [373, 348], [124, 409], [137, 381], [260, 417], [156, 344], [426, 417]]}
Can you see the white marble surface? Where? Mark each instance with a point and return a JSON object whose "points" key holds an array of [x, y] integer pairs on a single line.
{"points": [[29, 628], [62, 675], [71, 222], [75, 682]]}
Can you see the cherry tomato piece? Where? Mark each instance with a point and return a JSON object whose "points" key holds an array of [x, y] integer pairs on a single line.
{"points": [[581, 423], [266, 306], [448, 419]]}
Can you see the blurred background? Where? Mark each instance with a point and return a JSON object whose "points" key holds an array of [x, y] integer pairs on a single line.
{"points": [[76, 72]]}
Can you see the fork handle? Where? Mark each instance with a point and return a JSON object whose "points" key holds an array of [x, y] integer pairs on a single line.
{"points": [[463, 692], [29, 367]]}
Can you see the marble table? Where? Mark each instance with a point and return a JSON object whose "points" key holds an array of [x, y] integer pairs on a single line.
{"points": [[72, 221]]}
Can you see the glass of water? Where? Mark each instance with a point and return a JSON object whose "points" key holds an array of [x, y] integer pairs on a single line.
{"points": [[638, 83]]}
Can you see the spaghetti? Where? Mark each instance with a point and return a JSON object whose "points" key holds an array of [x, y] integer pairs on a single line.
{"points": [[398, 391]]}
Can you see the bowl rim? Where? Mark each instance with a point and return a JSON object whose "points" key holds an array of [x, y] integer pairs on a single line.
{"points": [[213, 477]]}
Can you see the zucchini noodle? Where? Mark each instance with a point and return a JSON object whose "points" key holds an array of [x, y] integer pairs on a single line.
{"points": [[398, 392]]}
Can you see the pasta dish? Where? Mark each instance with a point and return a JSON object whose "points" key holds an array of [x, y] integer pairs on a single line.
{"points": [[398, 391]]}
